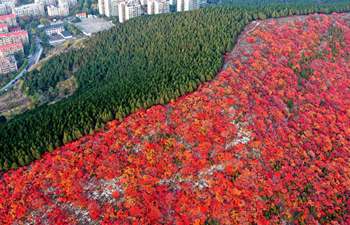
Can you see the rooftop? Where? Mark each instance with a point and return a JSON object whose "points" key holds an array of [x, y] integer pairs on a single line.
{"points": [[14, 34], [8, 46], [81, 14], [8, 16], [7, 59], [54, 26], [66, 34]]}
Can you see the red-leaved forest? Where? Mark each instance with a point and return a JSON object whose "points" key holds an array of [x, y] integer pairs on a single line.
{"points": [[266, 142]]}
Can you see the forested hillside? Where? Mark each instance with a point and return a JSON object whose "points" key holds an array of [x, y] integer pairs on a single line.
{"points": [[147, 61], [265, 142]]}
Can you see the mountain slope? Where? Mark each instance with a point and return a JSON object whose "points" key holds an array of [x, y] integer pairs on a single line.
{"points": [[267, 141]]}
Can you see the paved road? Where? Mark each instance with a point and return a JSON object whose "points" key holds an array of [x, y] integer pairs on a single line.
{"points": [[32, 60]]}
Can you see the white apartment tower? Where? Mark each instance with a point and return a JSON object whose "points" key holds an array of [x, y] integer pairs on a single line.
{"points": [[132, 9], [150, 7], [191, 5], [157, 6], [180, 5], [121, 12], [161, 6], [128, 10], [45, 2], [108, 7], [61, 10], [101, 7], [143, 2], [187, 5], [70, 3]]}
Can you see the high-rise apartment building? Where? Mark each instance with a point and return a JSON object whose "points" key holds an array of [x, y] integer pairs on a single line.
{"points": [[111, 8], [101, 7], [9, 19], [70, 3], [132, 9], [5, 9], [45, 2], [9, 2], [121, 11], [150, 7], [187, 5], [161, 6], [61, 10], [33, 9], [143, 2], [157, 6], [108, 7], [10, 49], [20, 36], [128, 10]]}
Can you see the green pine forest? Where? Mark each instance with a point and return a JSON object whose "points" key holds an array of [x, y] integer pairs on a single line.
{"points": [[146, 61]]}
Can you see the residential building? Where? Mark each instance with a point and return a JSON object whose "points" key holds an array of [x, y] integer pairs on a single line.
{"points": [[203, 3], [70, 3], [10, 49], [128, 10], [161, 6], [150, 7], [8, 64], [180, 5], [58, 38], [62, 10], [4, 28], [121, 11], [14, 37], [9, 19], [45, 2], [157, 6], [108, 7], [132, 9], [5, 9], [112, 8], [9, 2], [187, 5], [191, 5], [101, 7], [54, 28], [66, 35], [33, 9]]}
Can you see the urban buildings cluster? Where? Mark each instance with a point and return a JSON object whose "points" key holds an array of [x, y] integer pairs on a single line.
{"points": [[127, 9], [61, 8], [54, 8], [12, 40]]}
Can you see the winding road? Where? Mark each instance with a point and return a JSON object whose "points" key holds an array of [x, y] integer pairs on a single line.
{"points": [[32, 60]]}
